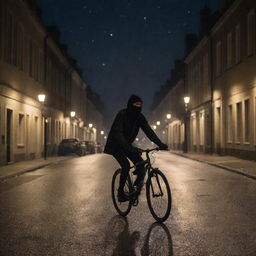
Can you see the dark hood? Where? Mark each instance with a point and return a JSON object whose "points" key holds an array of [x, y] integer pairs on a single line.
{"points": [[133, 111]]}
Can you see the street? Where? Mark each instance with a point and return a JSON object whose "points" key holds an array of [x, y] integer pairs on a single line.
{"points": [[66, 209]]}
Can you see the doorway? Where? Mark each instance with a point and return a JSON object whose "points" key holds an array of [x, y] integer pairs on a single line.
{"points": [[9, 136]]}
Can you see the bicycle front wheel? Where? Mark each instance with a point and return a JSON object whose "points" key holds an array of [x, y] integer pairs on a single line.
{"points": [[158, 195], [123, 208]]}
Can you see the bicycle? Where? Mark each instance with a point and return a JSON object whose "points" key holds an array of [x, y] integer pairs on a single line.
{"points": [[157, 191]]}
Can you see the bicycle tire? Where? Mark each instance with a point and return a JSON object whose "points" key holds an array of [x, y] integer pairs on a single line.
{"points": [[157, 173], [165, 235], [122, 208]]}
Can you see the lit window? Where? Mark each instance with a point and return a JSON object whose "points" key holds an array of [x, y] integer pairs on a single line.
{"points": [[238, 122], [21, 130], [247, 121], [230, 124]]}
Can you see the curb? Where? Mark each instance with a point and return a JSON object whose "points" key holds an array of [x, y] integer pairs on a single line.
{"points": [[23, 171], [230, 169], [29, 170]]}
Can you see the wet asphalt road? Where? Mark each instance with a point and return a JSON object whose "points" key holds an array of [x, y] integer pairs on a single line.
{"points": [[66, 209]]}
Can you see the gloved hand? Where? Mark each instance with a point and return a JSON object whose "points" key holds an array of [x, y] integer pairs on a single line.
{"points": [[163, 146], [135, 150]]}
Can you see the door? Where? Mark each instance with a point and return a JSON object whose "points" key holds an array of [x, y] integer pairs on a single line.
{"points": [[9, 135]]}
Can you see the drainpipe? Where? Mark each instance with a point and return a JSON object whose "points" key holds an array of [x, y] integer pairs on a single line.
{"points": [[211, 101]]}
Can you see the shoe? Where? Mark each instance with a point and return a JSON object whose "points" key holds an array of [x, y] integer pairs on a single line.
{"points": [[122, 196]]}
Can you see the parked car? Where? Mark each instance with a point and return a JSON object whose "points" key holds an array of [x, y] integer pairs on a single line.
{"points": [[98, 147], [71, 145], [90, 147]]}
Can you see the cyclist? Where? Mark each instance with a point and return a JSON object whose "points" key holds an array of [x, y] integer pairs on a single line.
{"points": [[121, 136]]}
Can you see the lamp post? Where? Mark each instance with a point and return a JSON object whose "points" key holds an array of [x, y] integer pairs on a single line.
{"points": [[168, 118], [185, 147], [41, 99], [72, 113]]}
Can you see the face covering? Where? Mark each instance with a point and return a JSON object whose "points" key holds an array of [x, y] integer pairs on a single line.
{"points": [[133, 111]]}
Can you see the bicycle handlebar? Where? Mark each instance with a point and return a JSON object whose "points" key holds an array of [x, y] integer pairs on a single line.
{"points": [[150, 150]]}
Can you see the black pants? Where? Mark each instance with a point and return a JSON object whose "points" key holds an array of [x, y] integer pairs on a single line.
{"points": [[121, 158]]}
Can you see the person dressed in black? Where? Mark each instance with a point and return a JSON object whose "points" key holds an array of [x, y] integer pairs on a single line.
{"points": [[121, 136]]}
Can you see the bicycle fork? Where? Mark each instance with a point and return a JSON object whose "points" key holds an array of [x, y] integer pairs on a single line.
{"points": [[159, 186]]}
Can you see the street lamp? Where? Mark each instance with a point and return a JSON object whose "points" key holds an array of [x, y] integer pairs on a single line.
{"points": [[90, 125], [154, 127], [158, 123], [41, 99], [185, 147], [72, 113], [168, 116], [102, 132]]}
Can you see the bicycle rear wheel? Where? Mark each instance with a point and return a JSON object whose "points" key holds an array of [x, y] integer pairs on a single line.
{"points": [[124, 207], [158, 195]]}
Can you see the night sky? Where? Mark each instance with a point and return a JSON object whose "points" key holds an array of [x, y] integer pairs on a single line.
{"points": [[124, 46]]}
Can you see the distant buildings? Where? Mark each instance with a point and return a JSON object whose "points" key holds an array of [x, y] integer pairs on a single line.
{"points": [[220, 79], [33, 62]]}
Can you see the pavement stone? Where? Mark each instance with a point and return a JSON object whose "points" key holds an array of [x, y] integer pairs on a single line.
{"points": [[230, 163], [15, 169]]}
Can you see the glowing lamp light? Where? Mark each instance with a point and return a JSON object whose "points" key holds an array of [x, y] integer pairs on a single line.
{"points": [[102, 132], [41, 97], [90, 125], [158, 123], [186, 99], [168, 116], [105, 137], [154, 127], [137, 139], [72, 113]]}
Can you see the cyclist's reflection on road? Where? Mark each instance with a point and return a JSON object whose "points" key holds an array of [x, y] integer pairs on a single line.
{"points": [[120, 242]]}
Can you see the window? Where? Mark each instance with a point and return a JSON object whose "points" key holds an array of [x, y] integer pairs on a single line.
{"points": [[21, 130], [230, 124], [194, 130], [250, 32], [206, 70], [229, 50], [36, 134], [238, 122], [247, 121], [201, 129], [218, 59], [238, 43]]}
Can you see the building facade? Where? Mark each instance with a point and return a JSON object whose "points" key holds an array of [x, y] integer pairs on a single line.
{"points": [[33, 63], [220, 79], [171, 129]]}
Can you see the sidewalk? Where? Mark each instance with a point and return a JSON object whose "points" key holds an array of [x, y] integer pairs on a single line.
{"points": [[230, 163], [12, 170]]}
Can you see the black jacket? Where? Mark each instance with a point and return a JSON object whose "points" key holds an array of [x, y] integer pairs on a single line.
{"points": [[124, 131]]}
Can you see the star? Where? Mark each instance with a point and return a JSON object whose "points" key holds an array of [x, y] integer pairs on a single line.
{"points": [[103, 64], [188, 11], [145, 18], [111, 34]]}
